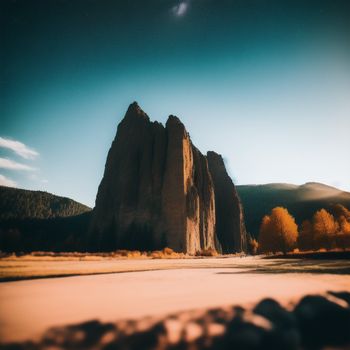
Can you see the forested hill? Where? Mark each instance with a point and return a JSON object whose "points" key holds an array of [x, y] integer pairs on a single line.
{"points": [[301, 201], [24, 204]]}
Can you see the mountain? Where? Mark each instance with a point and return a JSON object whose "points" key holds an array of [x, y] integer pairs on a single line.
{"points": [[158, 190], [35, 220], [24, 204], [301, 201]]}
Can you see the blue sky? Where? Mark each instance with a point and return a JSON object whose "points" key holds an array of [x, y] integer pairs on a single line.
{"points": [[266, 84]]}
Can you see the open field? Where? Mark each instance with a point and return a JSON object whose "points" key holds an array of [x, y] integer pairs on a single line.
{"points": [[150, 287], [14, 268]]}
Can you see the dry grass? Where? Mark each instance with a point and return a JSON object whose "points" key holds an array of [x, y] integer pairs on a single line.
{"points": [[207, 252], [55, 264], [166, 253]]}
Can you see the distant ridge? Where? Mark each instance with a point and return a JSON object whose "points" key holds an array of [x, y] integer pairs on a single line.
{"points": [[18, 203], [301, 201]]}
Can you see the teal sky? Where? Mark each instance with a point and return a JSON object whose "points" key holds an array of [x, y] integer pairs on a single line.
{"points": [[264, 83]]}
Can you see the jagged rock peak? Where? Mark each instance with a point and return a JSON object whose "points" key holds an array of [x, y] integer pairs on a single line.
{"points": [[214, 154], [217, 159], [172, 119], [175, 126], [135, 112]]}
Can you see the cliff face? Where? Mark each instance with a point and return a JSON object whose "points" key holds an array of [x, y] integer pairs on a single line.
{"points": [[187, 205], [230, 227], [156, 191]]}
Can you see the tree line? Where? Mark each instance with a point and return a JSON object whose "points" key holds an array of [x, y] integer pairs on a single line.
{"points": [[23, 204], [325, 230]]}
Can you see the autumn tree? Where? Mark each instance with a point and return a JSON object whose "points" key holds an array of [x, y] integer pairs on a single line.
{"points": [[343, 236], [252, 245], [278, 231], [342, 215], [265, 239], [325, 228], [339, 210], [344, 225]]}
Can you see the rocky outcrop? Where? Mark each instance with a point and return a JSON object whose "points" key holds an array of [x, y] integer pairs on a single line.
{"points": [[230, 227], [156, 191]]}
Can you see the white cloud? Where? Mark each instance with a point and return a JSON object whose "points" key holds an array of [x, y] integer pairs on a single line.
{"points": [[18, 147], [12, 165], [5, 181], [180, 9]]}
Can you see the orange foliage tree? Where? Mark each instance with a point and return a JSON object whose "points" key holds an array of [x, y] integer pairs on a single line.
{"points": [[278, 232], [343, 237], [325, 228], [344, 225], [252, 245]]}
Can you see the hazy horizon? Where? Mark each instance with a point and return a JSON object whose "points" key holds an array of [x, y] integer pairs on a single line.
{"points": [[265, 85]]}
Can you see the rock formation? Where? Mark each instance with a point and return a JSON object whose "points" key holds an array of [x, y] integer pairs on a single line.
{"points": [[157, 191], [230, 227]]}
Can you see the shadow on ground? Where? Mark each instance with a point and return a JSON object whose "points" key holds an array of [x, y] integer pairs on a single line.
{"points": [[316, 322], [297, 266], [339, 255]]}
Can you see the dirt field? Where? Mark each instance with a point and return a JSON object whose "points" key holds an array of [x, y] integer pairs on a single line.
{"points": [[139, 287]]}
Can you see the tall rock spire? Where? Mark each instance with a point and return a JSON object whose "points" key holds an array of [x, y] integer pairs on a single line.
{"points": [[156, 190]]}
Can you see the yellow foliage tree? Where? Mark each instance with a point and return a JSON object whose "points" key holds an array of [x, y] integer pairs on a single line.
{"points": [[344, 225], [252, 245], [278, 232], [343, 237], [325, 228]]}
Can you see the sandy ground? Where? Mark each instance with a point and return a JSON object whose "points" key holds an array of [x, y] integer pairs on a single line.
{"points": [[29, 307]]}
